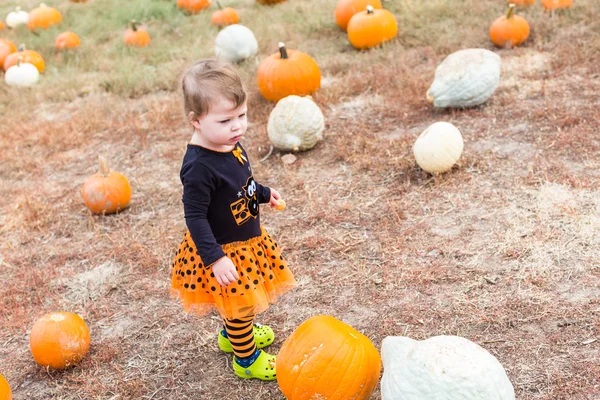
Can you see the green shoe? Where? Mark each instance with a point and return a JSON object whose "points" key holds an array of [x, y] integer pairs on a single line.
{"points": [[263, 336], [262, 368]]}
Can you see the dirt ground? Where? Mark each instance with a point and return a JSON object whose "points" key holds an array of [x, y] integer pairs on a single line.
{"points": [[504, 250]]}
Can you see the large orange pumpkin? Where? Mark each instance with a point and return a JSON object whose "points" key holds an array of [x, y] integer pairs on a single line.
{"points": [[6, 47], [326, 359], [509, 30], [345, 9], [136, 37], [371, 27], [106, 191], [267, 2], [225, 16], [26, 56], [59, 340], [67, 40], [193, 6], [5, 392], [556, 4], [43, 17], [288, 72]]}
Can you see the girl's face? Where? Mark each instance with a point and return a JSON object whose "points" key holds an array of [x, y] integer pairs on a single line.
{"points": [[222, 127]]}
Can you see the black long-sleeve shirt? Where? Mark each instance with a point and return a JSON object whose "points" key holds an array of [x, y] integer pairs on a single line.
{"points": [[220, 199]]}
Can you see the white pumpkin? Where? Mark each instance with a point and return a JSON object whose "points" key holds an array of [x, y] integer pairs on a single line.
{"points": [[296, 123], [22, 74], [236, 43], [438, 148], [441, 368], [17, 18], [465, 78]]}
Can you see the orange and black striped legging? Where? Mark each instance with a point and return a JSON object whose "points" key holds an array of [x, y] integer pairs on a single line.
{"points": [[240, 333]]}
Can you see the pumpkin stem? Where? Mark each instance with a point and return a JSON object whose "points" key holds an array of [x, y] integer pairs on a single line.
{"points": [[283, 51], [134, 25], [370, 9], [511, 11], [104, 169]]}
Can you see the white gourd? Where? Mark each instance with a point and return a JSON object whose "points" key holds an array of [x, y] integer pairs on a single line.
{"points": [[441, 368], [17, 18], [236, 43], [465, 78], [438, 148], [22, 74], [296, 123]]}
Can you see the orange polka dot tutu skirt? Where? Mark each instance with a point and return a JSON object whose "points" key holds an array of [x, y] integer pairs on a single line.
{"points": [[263, 276]]}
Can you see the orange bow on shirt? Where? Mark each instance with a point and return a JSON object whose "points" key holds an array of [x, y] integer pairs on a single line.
{"points": [[237, 152]]}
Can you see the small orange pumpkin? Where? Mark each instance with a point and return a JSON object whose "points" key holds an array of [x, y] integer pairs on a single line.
{"points": [[193, 6], [43, 17], [2, 26], [371, 27], [345, 9], [67, 40], [556, 4], [509, 30], [268, 2], [6, 47], [59, 340], [106, 192], [136, 37], [25, 56], [5, 392], [225, 16], [325, 358], [288, 72]]}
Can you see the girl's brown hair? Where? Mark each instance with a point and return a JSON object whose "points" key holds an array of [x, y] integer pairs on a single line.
{"points": [[205, 81]]}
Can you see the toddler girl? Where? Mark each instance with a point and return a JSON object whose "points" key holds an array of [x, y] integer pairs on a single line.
{"points": [[226, 261]]}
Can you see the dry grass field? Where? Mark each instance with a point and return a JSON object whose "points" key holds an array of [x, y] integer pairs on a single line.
{"points": [[504, 250]]}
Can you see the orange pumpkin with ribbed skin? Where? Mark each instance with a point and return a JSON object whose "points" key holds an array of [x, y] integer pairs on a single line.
{"points": [[509, 30], [193, 6], [346, 9], [67, 40], [135, 37], [5, 392], [106, 191], [288, 72], [326, 359], [6, 47], [225, 16], [556, 4], [268, 2], [26, 56], [59, 340], [371, 27], [43, 17]]}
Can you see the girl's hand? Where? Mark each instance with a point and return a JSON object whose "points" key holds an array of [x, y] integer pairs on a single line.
{"points": [[275, 197], [225, 271]]}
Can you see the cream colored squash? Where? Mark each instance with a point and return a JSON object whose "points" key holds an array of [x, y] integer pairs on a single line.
{"points": [[465, 78], [236, 43], [22, 74], [441, 368], [438, 148], [296, 123], [16, 18]]}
